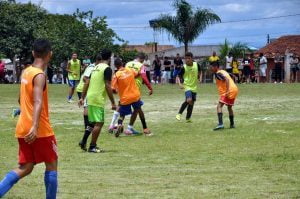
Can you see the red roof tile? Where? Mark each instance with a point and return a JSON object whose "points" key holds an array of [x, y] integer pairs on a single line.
{"points": [[290, 43]]}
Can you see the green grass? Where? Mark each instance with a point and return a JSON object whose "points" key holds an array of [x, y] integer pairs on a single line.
{"points": [[258, 159]]}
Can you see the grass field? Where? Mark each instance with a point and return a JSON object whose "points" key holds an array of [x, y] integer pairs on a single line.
{"points": [[258, 159]]}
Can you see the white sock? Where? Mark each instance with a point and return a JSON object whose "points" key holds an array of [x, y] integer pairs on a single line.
{"points": [[130, 127], [115, 118]]}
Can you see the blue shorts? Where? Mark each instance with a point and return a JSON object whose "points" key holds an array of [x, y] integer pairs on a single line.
{"points": [[126, 109], [157, 73], [72, 83], [190, 94], [176, 72]]}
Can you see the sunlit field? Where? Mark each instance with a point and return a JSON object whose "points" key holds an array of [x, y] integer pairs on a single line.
{"points": [[258, 159]]}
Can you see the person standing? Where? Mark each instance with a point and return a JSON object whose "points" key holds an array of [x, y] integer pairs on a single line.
{"points": [[190, 75], [178, 63], [2, 73], [252, 68], [167, 70], [246, 69], [74, 69], [278, 68], [147, 65], [294, 68], [95, 90], [36, 138], [228, 92], [263, 68], [229, 60], [63, 66], [214, 59], [157, 70]]}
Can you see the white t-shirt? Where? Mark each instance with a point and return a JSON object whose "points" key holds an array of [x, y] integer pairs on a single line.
{"points": [[147, 64], [228, 62], [263, 59], [88, 70]]}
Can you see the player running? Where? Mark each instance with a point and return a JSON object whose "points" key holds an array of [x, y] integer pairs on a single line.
{"points": [[96, 90], [136, 65], [35, 136], [190, 75], [129, 93], [73, 69], [228, 92]]}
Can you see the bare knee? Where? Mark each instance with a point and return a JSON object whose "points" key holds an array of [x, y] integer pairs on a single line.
{"points": [[51, 166], [24, 169]]}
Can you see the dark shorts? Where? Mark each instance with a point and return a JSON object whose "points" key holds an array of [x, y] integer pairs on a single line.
{"points": [[176, 72], [157, 73], [41, 150], [72, 83], [246, 71], [126, 109], [229, 70], [190, 94]]}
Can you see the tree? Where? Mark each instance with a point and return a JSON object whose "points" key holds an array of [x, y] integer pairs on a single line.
{"points": [[238, 49], [187, 24]]}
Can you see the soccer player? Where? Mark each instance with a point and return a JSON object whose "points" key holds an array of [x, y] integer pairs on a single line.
{"points": [[96, 90], [228, 92], [190, 74], [73, 69], [35, 136], [137, 65], [129, 93]]}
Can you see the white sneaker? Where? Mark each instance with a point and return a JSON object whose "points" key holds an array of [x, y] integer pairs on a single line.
{"points": [[70, 101]]}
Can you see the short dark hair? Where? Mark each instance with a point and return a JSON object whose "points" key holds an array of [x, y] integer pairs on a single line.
{"points": [[141, 56], [28, 62], [106, 54], [215, 64], [261, 54], [118, 62], [41, 47], [74, 53], [98, 57], [189, 54]]}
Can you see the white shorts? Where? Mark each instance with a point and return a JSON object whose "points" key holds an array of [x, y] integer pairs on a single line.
{"points": [[166, 75], [262, 71]]}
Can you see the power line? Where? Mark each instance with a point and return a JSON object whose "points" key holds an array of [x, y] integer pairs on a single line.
{"points": [[224, 22]]}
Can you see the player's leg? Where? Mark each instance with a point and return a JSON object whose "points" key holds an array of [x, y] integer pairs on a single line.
{"points": [[71, 89], [96, 116], [50, 179], [14, 176], [231, 116], [114, 120], [146, 131], [188, 96], [220, 117], [190, 107]]}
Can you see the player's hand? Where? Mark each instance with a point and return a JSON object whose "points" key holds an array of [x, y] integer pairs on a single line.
{"points": [[113, 107], [31, 136], [150, 92], [80, 103]]}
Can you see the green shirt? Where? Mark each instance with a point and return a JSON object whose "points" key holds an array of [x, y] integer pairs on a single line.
{"points": [[135, 65], [86, 73], [75, 68], [190, 77], [96, 94]]}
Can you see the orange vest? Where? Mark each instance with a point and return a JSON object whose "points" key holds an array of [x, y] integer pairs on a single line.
{"points": [[26, 103], [233, 90], [124, 82]]}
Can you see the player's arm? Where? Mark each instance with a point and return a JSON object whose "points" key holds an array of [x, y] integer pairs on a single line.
{"points": [[86, 84], [145, 79], [68, 68], [114, 85], [109, 91], [38, 88]]}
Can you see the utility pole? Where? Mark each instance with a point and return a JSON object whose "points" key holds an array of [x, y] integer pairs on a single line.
{"points": [[268, 38]]}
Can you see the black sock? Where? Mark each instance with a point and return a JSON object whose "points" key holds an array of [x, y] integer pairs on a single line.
{"points": [[120, 121], [92, 146], [182, 108], [144, 123], [86, 134], [189, 111], [220, 117], [231, 118], [86, 121]]}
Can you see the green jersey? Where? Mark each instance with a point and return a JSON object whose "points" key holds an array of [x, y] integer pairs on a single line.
{"points": [[135, 65], [75, 70], [96, 95], [86, 73], [190, 77]]}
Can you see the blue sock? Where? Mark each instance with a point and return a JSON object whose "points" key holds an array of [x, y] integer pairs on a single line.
{"points": [[8, 182], [69, 97], [50, 179]]}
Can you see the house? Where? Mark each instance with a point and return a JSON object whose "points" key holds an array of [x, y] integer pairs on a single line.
{"points": [[148, 48], [286, 46]]}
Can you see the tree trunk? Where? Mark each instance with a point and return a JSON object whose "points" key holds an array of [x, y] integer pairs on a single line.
{"points": [[186, 47]]}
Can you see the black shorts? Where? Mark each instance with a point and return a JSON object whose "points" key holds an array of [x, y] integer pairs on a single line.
{"points": [[246, 71], [190, 94]]}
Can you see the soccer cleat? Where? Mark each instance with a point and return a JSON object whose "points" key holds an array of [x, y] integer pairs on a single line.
{"points": [[188, 121], [70, 101], [219, 127], [15, 113], [111, 129], [147, 132], [82, 146], [178, 117], [120, 130], [232, 126], [95, 150], [131, 132]]}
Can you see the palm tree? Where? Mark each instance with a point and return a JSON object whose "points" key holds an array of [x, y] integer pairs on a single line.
{"points": [[188, 23], [239, 49]]}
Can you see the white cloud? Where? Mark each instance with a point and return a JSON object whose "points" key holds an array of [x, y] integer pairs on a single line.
{"points": [[236, 7]]}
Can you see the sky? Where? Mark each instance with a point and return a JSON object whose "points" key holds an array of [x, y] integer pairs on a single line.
{"points": [[130, 18]]}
